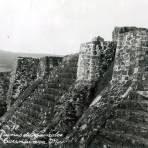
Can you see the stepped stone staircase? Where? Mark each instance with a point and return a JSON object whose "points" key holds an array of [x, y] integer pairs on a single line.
{"points": [[118, 115], [95, 99], [23, 74], [35, 107], [76, 101]]}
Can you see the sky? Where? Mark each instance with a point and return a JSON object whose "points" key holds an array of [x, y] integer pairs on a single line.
{"points": [[60, 26]]}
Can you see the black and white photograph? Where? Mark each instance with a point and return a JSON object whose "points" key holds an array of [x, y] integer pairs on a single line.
{"points": [[73, 74]]}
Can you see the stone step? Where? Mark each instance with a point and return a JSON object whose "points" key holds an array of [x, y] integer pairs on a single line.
{"points": [[57, 91], [53, 85], [128, 127], [37, 107], [23, 118], [67, 80], [54, 91], [122, 137], [132, 115], [32, 113], [143, 95], [145, 87], [70, 69], [60, 80], [68, 75], [71, 64], [64, 86], [22, 127], [32, 106], [27, 119], [144, 101], [8, 127], [39, 101], [49, 97], [18, 130], [62, 83], [134, 105], [15, 127], [43, 85]]}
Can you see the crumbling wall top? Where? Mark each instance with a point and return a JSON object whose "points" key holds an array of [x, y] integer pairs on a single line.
{"points": [[94, 58], [121, 30]]}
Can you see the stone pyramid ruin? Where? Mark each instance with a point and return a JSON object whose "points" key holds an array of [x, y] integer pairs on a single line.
{"points": [[97, 98]]}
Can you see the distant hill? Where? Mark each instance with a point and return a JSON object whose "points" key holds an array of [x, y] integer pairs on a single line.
{"points": [[7, 58]]}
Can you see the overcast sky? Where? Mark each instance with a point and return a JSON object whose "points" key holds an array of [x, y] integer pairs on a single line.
{"points": [[59, 26]]}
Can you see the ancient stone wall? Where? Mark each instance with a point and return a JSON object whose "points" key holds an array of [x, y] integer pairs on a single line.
{"points": [[38, 107], [94, 58], [76, 101], [131, 57], [4, 85], [119, 30], [88, 65], [118, 115], [26, 71], [46, 64], [114, 114]]}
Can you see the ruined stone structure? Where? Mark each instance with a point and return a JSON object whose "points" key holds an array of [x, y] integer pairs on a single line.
{"points": [[46, 64], [118, 115], [25, 72], [88, 65], [97, 98], [35, 107], [131, 57], [4, 85], [119, 30], [75, 102], [91, 59]]}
